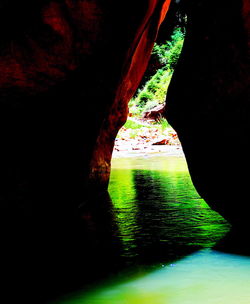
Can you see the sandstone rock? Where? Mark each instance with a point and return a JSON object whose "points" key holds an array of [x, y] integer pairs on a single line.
{"points": [[155, 113], [164, 141], [68, 70]]}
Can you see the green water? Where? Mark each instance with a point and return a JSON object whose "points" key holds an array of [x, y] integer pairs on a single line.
{"points": [[165, 233], [155, 201]]}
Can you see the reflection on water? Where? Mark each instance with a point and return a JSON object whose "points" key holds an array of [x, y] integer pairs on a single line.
{"points": [[155, 220], [155, 203], [206, 277]]}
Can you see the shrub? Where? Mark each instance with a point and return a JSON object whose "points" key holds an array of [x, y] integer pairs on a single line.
{"points": [[144, 97], [154, 91], [173, 55], [164, 124], [152, 86], [153, 94], [169, 52]]}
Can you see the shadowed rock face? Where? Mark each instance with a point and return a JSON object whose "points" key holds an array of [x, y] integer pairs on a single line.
{"points": [[208, 103], [68, 69]]}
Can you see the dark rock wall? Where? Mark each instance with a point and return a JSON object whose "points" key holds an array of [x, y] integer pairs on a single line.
{"points": [[68, 69], [208, 103], [135, 60]]}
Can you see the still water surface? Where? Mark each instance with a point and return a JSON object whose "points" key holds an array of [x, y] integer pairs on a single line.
{"points": [[165, 233], [155, 202], [206, 277]]}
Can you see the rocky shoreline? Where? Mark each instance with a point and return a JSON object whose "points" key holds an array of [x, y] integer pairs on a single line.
{"points": [[147, 142]]}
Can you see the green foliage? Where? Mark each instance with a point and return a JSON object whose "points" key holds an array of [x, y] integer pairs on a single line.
{"points": [[152, 86], [153, 94], [158, 75], [164, 124], [160, 94], [169, 52], [144, 96], [154, 91], [130, 124], [174, 54], [160, 52]]}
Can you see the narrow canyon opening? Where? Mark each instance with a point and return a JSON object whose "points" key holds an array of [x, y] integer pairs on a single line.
{"points": [[68, 71], [154, 199], [146, 129]]}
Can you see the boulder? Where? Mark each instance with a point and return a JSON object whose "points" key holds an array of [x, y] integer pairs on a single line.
{"points": [[155, 113]]}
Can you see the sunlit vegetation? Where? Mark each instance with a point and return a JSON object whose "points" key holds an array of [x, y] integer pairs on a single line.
{"points": [[153, 93], [146, 125], [131, 124]]}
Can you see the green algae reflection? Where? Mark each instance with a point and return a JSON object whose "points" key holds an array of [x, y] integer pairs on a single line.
{"points": [[158, 216], [155, 202]]}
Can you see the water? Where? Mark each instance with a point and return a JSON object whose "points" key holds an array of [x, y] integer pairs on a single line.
{"points": [[160, 239], [156, 203], [206, 277]]}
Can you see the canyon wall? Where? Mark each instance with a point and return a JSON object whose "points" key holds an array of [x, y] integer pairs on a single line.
{"points": [[68, 70], [208, 103]]}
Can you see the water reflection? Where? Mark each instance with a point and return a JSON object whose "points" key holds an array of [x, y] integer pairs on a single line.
{"points": [[207, 277], [152, 216], [158, 210]]}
